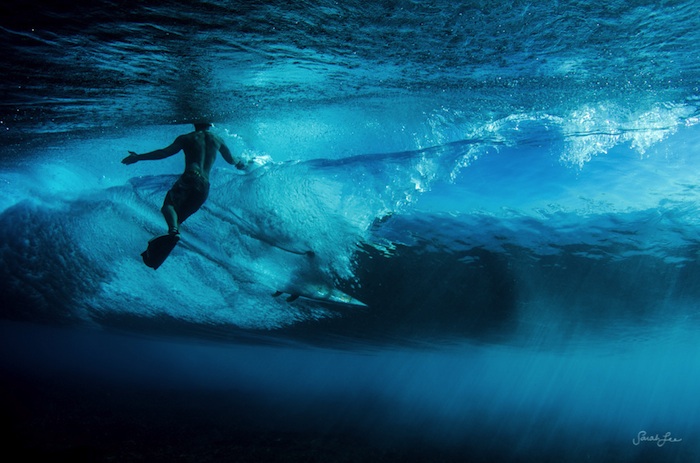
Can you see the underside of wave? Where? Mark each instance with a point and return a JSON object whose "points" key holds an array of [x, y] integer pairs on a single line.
{"points": [[324, 235]]}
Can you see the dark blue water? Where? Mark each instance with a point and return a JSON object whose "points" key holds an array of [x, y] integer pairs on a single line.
{"points": [[509, 189]]}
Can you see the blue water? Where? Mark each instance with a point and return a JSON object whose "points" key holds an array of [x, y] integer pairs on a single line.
{"points": [[509, 188]]}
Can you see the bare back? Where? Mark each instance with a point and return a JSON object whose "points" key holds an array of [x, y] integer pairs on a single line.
{"points": [[201, 148]]}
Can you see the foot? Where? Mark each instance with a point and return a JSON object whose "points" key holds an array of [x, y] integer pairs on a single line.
{"points": [[174, 231]]}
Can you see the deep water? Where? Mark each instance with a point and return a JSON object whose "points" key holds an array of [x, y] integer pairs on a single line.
{"points": [[488, 210]]}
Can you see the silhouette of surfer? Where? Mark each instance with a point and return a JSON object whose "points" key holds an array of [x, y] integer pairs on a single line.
{"points": [[190, 191]]}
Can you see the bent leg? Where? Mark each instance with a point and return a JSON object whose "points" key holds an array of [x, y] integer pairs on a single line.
{"points": [[170, 216], [185, 197]]}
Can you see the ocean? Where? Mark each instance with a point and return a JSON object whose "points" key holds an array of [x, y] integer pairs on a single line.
{"points": [[468, 232]]}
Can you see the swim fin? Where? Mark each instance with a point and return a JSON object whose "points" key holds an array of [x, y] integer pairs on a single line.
{"points": [[159, 249]]}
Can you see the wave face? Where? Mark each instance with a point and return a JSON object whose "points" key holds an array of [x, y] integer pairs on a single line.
{"points": [[508, 188]]}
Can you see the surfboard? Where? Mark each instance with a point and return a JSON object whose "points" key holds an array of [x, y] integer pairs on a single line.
{"points": [[319, 293], [159, 249]]}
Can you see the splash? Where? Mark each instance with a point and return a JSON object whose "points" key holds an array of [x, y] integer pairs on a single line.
{"points": [[595, 130]]}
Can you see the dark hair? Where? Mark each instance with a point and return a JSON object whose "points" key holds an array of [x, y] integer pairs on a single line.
{"points": [[202, 125]]}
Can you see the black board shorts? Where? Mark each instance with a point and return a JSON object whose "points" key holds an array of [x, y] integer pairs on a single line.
{"points": [[187, 194]]}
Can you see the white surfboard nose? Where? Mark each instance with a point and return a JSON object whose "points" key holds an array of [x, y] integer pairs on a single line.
{"points": [[321, 293], [343, 298]]}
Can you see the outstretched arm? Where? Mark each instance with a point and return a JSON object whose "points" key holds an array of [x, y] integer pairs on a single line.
{"points": [[228, 157], [168, 151]]}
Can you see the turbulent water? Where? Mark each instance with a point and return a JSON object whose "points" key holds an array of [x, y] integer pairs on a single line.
{"points": [[508, 188]]}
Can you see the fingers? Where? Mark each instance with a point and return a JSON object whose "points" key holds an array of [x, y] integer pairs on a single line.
{"points": [[130, 159]]}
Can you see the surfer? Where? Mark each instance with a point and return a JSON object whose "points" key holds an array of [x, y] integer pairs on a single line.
{"points": [[192, 188]]}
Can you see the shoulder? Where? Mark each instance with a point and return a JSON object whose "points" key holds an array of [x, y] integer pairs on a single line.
{"points": [[215, 137], [179, 142], [218, 140]]}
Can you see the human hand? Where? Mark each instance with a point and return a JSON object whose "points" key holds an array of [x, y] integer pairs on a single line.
{"points": [[131, 158], [258, 161]]}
